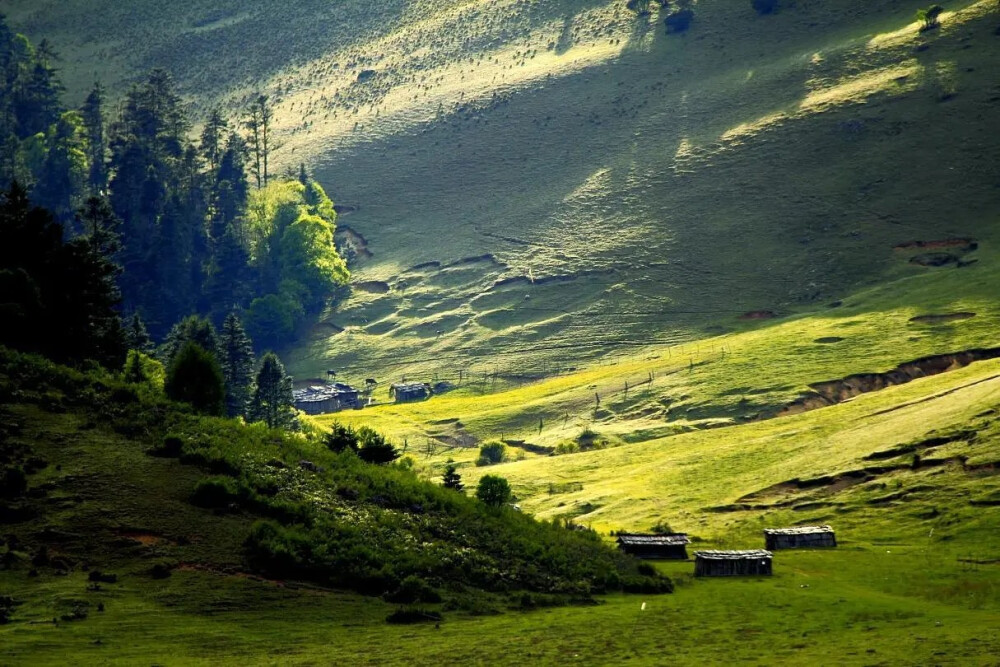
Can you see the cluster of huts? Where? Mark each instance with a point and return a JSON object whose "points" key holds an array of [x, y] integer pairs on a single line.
{"points": [[747, 562], [318, 399]]}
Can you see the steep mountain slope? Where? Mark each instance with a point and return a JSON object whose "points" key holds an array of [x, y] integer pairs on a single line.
{"points": [[554, 180]]}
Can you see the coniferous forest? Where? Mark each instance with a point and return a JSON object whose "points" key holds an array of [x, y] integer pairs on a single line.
{"points": [[194, 226]]}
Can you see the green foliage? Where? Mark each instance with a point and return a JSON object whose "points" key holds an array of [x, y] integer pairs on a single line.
{"points": [[413, 589], [136, 336], [339, 522], [191, 329], [930, 17], [272, 319], [272, 396], [491, 453], [309, 257], [215, 492], [194, 377], [59, 297], [134, 372], [237, 362], [451, 479], [374, 448], [494, 491], [341, 438]]}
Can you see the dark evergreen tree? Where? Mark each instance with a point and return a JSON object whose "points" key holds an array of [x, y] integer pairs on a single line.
{"points": [[258, 124], [191, 329], [58, 298], [97, 144], [272, 396], [451, 479], [194, 377], [341, 438], [237, 361], [213, 137], [136, 335]]}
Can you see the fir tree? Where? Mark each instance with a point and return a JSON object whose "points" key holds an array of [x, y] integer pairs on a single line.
{"points": [[272, 397], [451, 479], [136, 335], [212, 138], [191, 329], [97, 144], [237, 361]]}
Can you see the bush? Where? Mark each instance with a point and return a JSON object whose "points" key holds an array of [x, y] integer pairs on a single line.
{"points": [[341, 438], [491, 453], [170, 448], [494, 491], [413, 589], [215, 492], [930, 17], [374, 448]]}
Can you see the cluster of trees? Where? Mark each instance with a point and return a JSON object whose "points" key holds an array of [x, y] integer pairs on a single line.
{"points": [[368, 444], [217, 373], [195, 236]]}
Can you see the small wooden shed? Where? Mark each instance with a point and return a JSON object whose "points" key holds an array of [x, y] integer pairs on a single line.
{"points": [[670, 546], [751, 563], [799, 537], [410, 391], [322, 399]]}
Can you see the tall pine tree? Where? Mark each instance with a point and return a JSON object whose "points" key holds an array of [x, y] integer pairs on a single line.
{"points": [[272, 397], [237, 360]]}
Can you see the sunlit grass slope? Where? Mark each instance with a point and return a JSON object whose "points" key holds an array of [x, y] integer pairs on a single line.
{"points": [[726, 379]]}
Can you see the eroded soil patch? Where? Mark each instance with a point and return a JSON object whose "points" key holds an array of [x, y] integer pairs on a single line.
{"points": [[828, 393]]}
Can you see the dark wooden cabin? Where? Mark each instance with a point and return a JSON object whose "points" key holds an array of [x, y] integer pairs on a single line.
{"points": [[799, 537], [321, 399], [752, 563], [672, 546], [410, 391]]}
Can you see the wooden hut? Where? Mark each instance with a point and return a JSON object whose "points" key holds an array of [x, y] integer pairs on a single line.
{"points": [[321, 399], [800, 537], [672, 546], [752, 563], [409, 391]]}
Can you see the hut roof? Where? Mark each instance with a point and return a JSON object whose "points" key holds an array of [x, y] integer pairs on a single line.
{"points": [[410, 386], [672, 539], [319, 393], [733, 555], [799, 530]]}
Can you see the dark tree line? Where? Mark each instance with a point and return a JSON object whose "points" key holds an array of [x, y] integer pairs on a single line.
{"points": [[121, 210], [189, 241]]}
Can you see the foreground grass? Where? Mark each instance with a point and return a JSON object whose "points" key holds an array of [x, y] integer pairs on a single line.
{"points": [[860, 604]]}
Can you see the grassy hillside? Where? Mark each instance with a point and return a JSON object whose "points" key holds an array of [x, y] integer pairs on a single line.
{"points": [[914, 580], [549, 181]]}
